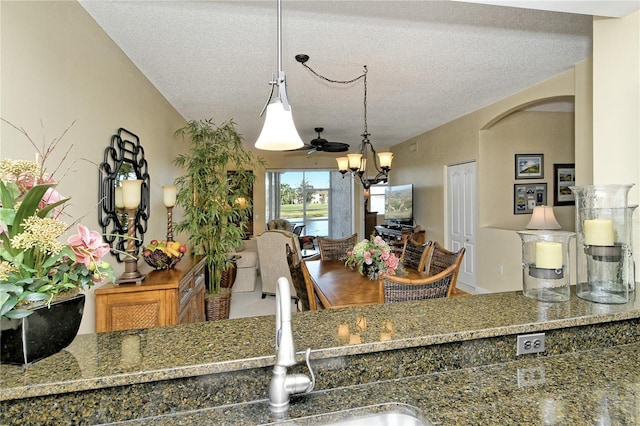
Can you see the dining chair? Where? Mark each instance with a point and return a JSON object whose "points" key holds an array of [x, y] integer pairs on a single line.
{"points": [[335, 248], [305, 293], [272, 257], [395, 288], [415, 254], [440, 259]]}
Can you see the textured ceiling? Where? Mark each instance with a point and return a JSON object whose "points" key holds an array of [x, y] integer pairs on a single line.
{"points": [[429, 61]]}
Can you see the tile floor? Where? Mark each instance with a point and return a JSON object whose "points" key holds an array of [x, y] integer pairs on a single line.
{"points": [[251, 304]]}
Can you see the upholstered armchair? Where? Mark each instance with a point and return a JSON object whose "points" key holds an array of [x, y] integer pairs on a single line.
{"points": [[282, 224], [272, 255]]}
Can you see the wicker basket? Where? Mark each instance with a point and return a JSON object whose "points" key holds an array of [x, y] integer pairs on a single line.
{"points": [[217, 306]]}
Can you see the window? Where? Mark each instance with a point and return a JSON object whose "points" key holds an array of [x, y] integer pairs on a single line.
{"points": [[315, 199], [376, 198]]}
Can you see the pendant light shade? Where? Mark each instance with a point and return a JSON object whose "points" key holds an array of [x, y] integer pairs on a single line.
{"points": [[279, 132]]}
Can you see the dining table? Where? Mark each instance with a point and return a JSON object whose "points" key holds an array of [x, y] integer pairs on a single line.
{"points": [[339, 286]]}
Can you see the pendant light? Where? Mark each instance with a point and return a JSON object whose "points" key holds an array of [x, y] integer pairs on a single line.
{"points": [[279, 132]]}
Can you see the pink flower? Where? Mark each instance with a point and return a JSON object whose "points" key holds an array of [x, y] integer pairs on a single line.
{"points": [[88, 246], [384, 255]]}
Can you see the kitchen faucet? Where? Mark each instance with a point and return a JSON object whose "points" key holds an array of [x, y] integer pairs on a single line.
{"points": [[283, 385]]}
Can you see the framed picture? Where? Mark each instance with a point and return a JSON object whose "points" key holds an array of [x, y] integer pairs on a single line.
{"points": [[564, 176], [529, 166], [528, 195]]}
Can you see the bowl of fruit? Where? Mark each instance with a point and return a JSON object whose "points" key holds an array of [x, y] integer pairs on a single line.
{"points": [[163, 254]]}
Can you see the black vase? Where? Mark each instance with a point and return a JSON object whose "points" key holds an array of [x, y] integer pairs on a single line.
{"points": [[43, 333]]}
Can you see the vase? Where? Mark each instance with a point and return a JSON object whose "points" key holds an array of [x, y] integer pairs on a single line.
{"points": [[46, 331]]}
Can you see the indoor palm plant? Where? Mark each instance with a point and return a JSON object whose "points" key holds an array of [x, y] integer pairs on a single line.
{"points": [[214, 192]]}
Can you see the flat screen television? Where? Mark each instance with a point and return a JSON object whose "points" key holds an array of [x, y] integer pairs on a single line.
{"points": [[398, 204]]}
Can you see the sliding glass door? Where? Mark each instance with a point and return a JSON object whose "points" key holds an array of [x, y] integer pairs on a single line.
{"points": [[319, 200]]}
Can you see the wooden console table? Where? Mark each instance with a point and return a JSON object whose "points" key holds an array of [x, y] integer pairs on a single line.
{"points": [[165, 297]]}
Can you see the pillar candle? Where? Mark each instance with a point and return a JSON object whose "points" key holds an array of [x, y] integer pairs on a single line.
{"points": [[169, 196], [548, 255], [598, 232]]}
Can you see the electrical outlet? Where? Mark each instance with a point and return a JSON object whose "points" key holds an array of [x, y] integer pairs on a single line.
{"points": [[530, 376], [530, 344], [500, 269]]}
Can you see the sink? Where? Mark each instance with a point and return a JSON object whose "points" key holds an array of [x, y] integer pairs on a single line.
{"points": [[390, 414]]}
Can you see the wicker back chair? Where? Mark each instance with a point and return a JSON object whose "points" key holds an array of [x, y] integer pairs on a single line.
{"points": [[305, 294], [415, 254], [440, 259], [401, 289], [335, 249]]}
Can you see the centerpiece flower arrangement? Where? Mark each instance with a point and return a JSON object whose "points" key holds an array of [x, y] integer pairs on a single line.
{"points": [[35, 267], [373, 256]]}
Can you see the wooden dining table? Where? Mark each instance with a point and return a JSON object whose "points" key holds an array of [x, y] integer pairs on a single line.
{"points": [[339, 286]]}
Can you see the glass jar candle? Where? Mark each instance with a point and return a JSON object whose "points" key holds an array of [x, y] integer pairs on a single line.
{"points": [[602, 235], [545, 264]]}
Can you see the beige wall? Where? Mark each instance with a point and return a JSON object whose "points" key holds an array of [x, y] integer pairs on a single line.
{"points": [[59, 66]]}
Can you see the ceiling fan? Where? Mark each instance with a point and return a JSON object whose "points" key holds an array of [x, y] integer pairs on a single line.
{"points": [[320, 144]]}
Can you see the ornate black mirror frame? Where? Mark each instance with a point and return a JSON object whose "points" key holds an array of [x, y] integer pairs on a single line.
{"points": [[123, 159]]}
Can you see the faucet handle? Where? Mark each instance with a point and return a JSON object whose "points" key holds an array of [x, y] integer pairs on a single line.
{"points": [[313, 376]]}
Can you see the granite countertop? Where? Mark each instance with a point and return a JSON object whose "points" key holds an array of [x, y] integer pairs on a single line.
{"points": [[95, 361], [572, 389]]}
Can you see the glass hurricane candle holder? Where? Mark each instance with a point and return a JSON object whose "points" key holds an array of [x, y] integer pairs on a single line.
{"points": [[602, 235], [545, 264]]}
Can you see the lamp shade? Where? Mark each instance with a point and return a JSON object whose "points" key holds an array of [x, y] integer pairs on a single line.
{"points": [[119, 200], [131, 193], [354, 161], [385, 158], [543, 218], [169, 195], [279, 132], [343, 163]]}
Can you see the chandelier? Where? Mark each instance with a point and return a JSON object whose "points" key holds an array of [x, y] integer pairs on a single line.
{"points": [[358, 162]]}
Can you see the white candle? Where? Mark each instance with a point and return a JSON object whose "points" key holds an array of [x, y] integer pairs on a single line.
{"points": [[599, 232], [548, 255], [119, 199], [169, 196], [131, 193]]}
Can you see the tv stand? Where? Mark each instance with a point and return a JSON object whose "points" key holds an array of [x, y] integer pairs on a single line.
{"points": [[396, 235]]}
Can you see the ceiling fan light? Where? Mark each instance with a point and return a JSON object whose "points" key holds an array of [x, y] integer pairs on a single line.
{"points": [[385, 158], [354, 161], [343, 164], [279, 132]]}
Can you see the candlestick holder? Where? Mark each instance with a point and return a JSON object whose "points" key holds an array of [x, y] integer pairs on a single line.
{"points": [[545, 264], [603, 243], [131, 273], [169, 223]]}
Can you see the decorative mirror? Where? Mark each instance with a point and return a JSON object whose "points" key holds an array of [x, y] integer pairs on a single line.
{"points": [[123, 160]]}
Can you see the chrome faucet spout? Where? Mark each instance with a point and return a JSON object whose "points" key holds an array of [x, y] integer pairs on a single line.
{"points": [[283, 385]]}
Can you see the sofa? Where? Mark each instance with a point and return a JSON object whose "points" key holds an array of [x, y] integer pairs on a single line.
{"points": [[247, 267]]}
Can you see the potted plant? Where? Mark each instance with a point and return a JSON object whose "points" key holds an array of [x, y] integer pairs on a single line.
{"points": [[40, 277], [216, 203]]}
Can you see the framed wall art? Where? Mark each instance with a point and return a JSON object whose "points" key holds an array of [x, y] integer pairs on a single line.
{"points": [[528, 195], [564, 176], [529, 166]]}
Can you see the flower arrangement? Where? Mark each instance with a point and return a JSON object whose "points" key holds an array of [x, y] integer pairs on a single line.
{"points": [[34, 266], [372, 256]]}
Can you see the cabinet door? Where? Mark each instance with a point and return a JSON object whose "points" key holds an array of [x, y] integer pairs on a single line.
{"points": [[137, 310]]}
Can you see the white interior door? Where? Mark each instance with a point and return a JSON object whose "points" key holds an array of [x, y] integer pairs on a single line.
{"points": [[461, 215]]}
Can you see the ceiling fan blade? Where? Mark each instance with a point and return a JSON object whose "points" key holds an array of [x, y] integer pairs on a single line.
{"points": [[335, 147]]}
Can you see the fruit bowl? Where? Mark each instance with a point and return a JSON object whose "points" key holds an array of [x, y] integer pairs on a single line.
{"points": [[163, 254]]}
